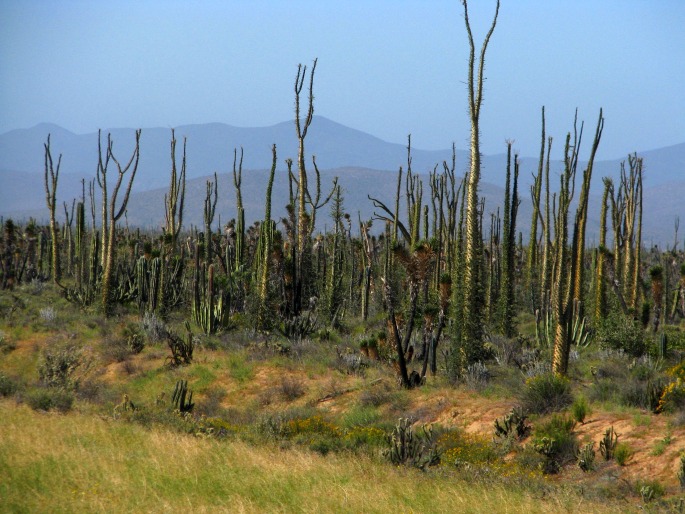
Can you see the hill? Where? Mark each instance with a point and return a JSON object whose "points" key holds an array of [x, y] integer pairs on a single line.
{"points": [[365, 164]]}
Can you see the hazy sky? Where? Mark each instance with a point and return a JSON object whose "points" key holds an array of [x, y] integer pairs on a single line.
{"points": [[387, 67]]}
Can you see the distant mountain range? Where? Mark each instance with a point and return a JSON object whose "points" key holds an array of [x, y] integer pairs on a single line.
{"points": [[364, 164]]}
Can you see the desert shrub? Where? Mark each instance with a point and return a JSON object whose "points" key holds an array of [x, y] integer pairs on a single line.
{"points": [[672, 396], [359, 416], [680, 473], [48, 315], [604, 391], [580, 409], [115, 349], [375, 396], [459, 449], [7, 386], [134, 337], [622, 453], [95, 391], [644, 395], [512, 351], [476, 376], [546, 393], [616, 331], [556, 441], [46, 399], [58, 366], [6, 345], [649, 490], [291, 388], [153, 327], [535, 368], [210, 406], [359, 436]]}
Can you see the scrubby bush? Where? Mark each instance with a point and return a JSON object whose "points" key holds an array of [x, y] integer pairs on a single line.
{"points": [[50, 398], [6, 345], [7, 386], [476, 376], [291, 388], [580, 409], [546, 393], [622, 453], [375, 396], [618, 332], [48, 315], [58, 366], [556, 441], [153, 327], [643, 395]]}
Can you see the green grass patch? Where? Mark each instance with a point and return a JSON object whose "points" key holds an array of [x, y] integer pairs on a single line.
{"points": [[239, 368], [87, 464]]}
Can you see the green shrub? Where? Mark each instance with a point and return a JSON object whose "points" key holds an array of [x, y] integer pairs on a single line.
{"points": [[6, 345], [680, 473], [546, 393], [376, 396], [291, 388], [649, 490], [644, 395], [604, 391], [675, 336], [135, 337], [7, 385], [47, 399], [58, 365], [580, 409], [618, 332], [622, 453], [359, 436], [556, 441], [359, 416]]}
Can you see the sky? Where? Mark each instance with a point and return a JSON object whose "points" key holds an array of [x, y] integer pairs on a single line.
{"points": [[386, 67]]}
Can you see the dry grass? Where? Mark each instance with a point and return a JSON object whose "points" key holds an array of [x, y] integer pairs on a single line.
{"points": [[78, 463]]}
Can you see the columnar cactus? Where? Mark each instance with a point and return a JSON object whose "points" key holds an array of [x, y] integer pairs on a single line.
{"points": [[51, 179]]}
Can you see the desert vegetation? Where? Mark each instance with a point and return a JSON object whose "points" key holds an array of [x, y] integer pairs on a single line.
{"points": [[428, 357]]}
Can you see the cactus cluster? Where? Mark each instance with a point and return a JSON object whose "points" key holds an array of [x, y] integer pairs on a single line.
{"points": [[410, 448], [182, 398]]}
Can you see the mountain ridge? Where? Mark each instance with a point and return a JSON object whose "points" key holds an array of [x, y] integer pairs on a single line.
{"points": [[358, 157]]}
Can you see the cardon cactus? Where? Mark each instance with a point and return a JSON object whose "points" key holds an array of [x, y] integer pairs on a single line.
{"points": [[182, 399]]}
